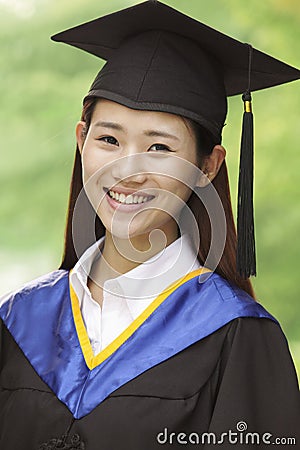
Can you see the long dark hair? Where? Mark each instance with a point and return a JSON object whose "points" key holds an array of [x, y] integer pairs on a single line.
{"points": [[227, 264]]}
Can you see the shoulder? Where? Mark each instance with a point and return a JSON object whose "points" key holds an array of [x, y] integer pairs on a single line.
{"points": [[226, 298], [258, 341], [258, 351], [226, 290], [255, 331], [56, 279]]}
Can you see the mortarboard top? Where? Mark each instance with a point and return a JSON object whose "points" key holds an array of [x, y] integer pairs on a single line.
{"points": [[162, 60], [121, 38], [103, 36]]}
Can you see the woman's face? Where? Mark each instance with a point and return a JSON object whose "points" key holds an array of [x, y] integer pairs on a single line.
{"points": [[135, 165]]}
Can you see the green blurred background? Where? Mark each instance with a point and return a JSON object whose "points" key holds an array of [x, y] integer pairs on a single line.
{"points": [[41, 90]]}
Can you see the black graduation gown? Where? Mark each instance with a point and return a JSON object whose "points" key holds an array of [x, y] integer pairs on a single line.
{"points": [[239, 379]]}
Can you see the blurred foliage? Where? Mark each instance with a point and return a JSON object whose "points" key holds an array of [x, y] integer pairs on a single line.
{"points": [[42, 86]]}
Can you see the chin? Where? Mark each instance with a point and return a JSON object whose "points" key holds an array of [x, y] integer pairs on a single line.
{"points": [[123, 230], [137, 226]]}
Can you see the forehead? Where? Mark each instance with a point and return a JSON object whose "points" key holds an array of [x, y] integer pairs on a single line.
{"points": [[107, 110]]}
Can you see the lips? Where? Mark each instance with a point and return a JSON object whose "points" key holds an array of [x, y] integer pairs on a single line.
{"points": [[132, 198]]}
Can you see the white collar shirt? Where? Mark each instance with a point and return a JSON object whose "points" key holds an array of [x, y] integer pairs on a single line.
{"points": [[127, 296]]}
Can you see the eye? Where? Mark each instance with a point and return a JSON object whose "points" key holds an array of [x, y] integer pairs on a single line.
{"points": [[160, 148], [109, 140]]}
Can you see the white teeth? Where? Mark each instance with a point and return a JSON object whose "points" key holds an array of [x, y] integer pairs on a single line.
{"points": [[122, 198], [128, 199]]}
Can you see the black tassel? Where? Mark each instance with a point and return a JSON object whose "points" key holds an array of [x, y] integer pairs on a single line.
{"points": [[246, 258]]}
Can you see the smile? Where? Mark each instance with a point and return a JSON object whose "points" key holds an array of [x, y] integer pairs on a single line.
{"points": [[128, 199]]}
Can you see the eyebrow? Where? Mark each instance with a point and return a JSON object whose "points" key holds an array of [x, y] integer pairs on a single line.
{"points": [[149, 133], [159, 133], [113, 125]]}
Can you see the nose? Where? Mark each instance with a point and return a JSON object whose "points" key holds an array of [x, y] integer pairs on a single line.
{"points": [[130, 168]]}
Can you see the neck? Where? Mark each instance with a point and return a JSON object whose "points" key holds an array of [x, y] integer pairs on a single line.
{"points": [[119, 256]]}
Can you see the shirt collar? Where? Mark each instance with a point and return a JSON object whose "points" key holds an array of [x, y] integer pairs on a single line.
{"points": [[83, 266], [149, 279]]}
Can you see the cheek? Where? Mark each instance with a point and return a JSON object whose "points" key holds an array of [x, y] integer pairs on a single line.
{"points": [[184, 192], [94, 163], [180, 174], [173, 198], [91, 162], [92, 166], [177, 189]]}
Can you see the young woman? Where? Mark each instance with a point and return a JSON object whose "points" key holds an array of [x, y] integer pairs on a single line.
{"points": [[148, 335]]}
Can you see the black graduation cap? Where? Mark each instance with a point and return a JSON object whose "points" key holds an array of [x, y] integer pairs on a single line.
{"points": [[162, 60]]}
